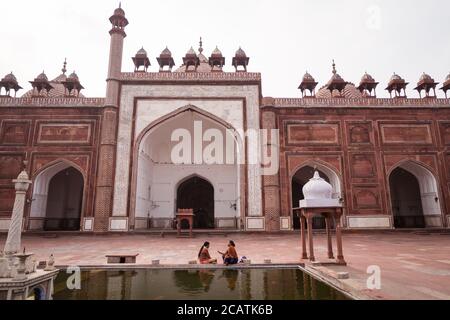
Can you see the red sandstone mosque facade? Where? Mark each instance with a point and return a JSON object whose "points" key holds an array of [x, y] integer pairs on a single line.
{"points": [[102, 164]]}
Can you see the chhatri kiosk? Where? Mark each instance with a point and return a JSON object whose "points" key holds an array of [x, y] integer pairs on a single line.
{"points": [[319, 202]]}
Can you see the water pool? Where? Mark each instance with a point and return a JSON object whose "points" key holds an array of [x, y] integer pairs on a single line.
{"points": [[166, 284]]}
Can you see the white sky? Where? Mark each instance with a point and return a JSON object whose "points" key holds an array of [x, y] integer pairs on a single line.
{"points": [[283, 38]]}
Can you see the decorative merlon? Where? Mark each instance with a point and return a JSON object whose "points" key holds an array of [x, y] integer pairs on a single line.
{"points": [[191, 76], [364, 102], [65, 102]]}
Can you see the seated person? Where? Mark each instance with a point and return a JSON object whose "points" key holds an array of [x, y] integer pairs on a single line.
{"points": [[230, 256], [203, 255]]}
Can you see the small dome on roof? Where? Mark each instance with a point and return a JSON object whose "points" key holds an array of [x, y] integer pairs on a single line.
{"points": [[141, 52], [336, 77], [10, 77], [119, 12], [191, 52], [58, 88], [396, 77], [73, 77], [42, 77], [308, 78], [425, 78], [166, 52], [367, 78], [317, 188], [216, 52], [350, 92], [240, 53]]}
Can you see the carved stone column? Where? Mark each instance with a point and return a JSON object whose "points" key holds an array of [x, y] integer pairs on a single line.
{"points": [[303, 235], [309, 218], [340, 252], [13, 242], [328, 221]]}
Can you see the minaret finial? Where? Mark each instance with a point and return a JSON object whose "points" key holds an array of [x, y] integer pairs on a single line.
{"points": [[200, 49], [64, 69], [334, 67], [120, 5]]}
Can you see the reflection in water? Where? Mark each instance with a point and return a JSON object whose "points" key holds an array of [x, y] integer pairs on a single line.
{"points": [[227, 284], [193, 280], [232, 277]]}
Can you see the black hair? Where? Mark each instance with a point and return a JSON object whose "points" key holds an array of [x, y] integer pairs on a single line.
{"points": [[204, 245], [232, 243]]}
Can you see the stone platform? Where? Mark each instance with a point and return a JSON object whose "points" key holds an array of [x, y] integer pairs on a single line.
{"points": [[413, 266]]}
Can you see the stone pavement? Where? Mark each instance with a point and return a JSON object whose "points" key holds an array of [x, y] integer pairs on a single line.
{"points": [[413, 266]]}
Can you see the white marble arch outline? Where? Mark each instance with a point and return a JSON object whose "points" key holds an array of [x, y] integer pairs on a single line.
{"points": [[239, 157], [133, 94], [428, 184], [41, 182], [331, 173]]}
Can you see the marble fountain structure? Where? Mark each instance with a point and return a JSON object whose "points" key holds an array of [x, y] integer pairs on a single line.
{"points": [[20, 279]]}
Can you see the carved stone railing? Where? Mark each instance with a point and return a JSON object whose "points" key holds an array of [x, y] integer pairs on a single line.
{"points": [[364, 102], [51, 102], [191, 76]]}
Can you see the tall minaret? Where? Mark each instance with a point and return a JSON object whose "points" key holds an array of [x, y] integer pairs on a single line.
{"points": [[119, 22], [107, 149]]}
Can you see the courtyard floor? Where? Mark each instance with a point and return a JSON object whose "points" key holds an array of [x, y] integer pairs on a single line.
{"points": [[413, 266]]}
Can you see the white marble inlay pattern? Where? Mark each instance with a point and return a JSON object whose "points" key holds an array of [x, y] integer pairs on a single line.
{"points": [[130, 92]]}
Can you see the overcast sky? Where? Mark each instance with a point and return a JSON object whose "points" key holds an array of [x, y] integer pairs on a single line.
{"points": [[283, 38]]}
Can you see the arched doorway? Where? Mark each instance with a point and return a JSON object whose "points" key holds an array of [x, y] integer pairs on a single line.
{"points": [[198, 194], [414, 197], [57, 199], [158, 171], [300, 178]]}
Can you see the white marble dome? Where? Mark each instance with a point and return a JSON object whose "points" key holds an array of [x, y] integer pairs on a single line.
{"points": [[317, 188], [318, 194]]}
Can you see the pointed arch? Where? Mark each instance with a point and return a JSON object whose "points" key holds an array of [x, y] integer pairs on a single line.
{"points": [[301, 175], [42, 187], [146, 156], [194, 175], [197, 193], [167, 117], [428, 206], [331, 173]]}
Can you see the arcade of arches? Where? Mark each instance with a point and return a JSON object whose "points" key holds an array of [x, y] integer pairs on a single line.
{"points": [[413, 191], [58, 195]]}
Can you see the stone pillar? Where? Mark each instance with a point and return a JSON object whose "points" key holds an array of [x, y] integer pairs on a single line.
{"points": [[271, 183], [328, 220], [340, 252], [309, 218], [104, 189], [13, 242], [303, 236]]}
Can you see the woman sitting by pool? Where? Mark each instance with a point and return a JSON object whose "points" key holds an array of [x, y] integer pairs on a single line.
{"points": [[203, 255], [230, 256]]}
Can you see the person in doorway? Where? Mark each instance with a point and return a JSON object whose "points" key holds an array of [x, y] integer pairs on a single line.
{"points": [[203, 255], [230, 256]]}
